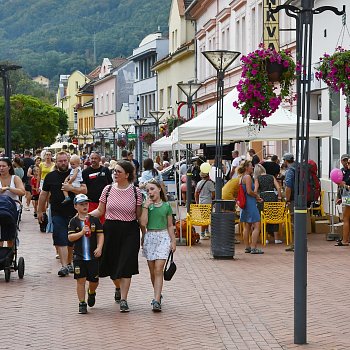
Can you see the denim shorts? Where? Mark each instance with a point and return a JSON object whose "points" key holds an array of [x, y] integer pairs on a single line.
{"points": [[60, 231]]}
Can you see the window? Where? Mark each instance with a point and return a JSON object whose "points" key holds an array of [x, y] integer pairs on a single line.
{"points": [[76, 85], [96, 106], [244, 39], [253, 30], [101, 106], [107, 103], [137, 73], [161, 99], [169, 97]]}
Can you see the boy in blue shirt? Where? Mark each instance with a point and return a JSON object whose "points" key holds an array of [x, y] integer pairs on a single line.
{"points": [[87, 234]]}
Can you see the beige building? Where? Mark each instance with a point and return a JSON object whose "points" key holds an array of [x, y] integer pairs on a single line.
{"points": [[179, 65], [40, 79]]}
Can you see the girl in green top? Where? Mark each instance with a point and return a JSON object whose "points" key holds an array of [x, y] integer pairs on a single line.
{"points": [[159, 238]]}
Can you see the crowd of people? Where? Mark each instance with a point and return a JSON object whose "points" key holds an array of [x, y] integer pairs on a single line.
{"points": [[96, 210]]}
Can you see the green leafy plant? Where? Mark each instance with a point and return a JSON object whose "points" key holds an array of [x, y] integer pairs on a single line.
{"points": [[170, 124], [334, 70], [258, 98]]}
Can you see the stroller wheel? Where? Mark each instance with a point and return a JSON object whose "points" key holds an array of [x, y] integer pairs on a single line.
{"points": [[21, 267], [7, 274]]}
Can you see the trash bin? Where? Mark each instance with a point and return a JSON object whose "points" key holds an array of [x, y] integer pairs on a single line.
{"points": [[222, 231]]}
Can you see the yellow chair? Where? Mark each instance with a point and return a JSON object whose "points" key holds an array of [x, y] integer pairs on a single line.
{"points": [[276, 213], [319, 208], [200, 215]]}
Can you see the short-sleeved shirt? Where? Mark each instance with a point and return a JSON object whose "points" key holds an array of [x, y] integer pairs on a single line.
{"points": [[96, 180], [84, 247], [53, 184], [271, 168], [121, 203], [158, 216], [290, 179], [205, 189], [27, 163], [149, 174], [230, 190]]}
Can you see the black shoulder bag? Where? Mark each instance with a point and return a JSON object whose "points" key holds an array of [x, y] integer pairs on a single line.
{"points": [[170, 267]]}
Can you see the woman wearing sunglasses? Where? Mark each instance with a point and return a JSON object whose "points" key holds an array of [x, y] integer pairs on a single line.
{"points": [[120, 202]]}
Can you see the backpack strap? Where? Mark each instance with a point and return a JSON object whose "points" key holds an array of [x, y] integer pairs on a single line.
{"points": [[135, 193], [108, 190]]}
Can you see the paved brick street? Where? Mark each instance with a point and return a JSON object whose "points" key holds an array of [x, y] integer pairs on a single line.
{"points": [[210, 304]]}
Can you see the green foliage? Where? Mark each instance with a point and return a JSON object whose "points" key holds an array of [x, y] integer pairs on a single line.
{"points": [[34, 123], [50, 37]]}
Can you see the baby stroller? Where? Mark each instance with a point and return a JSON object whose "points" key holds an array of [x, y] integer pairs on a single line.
{"points": [[10, 214]]}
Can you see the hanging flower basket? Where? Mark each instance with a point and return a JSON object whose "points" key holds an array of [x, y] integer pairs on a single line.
{"points": [[334, 70], [121, 143], [170, 124], [261, 69], [131, 145], [147, 138]]}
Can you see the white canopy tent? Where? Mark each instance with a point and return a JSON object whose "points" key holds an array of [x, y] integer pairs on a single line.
{"points": [[280, 126], [166, 144], [59, 145]]}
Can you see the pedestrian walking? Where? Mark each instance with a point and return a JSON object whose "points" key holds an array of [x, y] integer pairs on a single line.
{"points": [[159, 238], [250, 215], [12, 186], [35, 186], [27, 163], [96, 178], [121, 205], [61, 214], [86, 234]]}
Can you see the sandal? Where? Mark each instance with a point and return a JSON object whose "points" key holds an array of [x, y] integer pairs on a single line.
{"points": [[341, 244], [256, 251], [247, 250]]}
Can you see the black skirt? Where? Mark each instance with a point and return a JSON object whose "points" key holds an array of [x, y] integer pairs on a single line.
{"points": [[120, 249]]}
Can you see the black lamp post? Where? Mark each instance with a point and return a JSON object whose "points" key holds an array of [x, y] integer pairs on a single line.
{"points": [[4, 68], [220, 60], [139, 122], [189, 89], [304, 27], [114, 131], [126, 128], [157, 116]]}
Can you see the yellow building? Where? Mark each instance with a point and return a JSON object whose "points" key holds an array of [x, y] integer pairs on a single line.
{"points": [[179, 65], [69, 99]]}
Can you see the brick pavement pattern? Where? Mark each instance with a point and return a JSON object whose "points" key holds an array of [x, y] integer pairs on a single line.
{"points": [[245, 303]]}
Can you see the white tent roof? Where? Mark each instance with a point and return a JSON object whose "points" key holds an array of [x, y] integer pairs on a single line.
{"points": [[280, 126], [59, 145], [166, 144]]}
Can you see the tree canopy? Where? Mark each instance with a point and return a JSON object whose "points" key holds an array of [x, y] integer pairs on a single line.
{"points": [[34, 123]]}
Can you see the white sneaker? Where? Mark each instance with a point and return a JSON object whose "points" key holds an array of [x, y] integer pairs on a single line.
{"points": [[278, 241], [204, 237], [26, 209], [207, 234]]}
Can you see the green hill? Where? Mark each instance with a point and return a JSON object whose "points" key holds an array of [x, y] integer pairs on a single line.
{"points": [[51, 37]]}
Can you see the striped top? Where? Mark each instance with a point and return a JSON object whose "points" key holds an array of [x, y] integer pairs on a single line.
{"points": [[121, 203]]}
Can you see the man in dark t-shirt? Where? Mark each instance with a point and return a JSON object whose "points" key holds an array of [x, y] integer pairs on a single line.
{"points": [[272, 167], [96, 177], [27, 163], [54, 184]]}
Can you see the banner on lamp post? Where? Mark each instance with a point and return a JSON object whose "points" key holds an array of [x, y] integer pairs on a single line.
{"points": [[271, 25]]}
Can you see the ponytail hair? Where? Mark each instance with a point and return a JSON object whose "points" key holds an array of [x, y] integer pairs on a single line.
{"points": [[243, 167]]}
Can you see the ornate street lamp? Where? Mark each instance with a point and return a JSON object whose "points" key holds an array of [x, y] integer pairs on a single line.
{"points": [[126, 128], [114, 131], [189, 89], [157, 116], [220, 60], [304, 27], [139, 122], [4, 68]]}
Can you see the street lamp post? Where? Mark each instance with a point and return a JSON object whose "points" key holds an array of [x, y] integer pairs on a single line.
{"points": [[126, 128], [157, 116], [304, 27], [139, 123], [114, 131], [189, 89], [220, 60], [4, 68]]}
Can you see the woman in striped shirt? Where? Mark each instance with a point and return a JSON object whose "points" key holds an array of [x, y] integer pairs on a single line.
{"points": [[121, 205]]}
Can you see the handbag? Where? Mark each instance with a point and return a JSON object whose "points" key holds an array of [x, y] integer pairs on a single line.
{"points": [[241, 198], [170, 267]]}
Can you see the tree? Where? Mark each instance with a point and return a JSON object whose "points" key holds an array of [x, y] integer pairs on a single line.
{"points": [[34, 123], [62, 121]]}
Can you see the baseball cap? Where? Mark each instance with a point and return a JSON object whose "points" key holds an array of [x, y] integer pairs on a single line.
{"points": [[344, 156], [288, 156], [81, 198]]}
